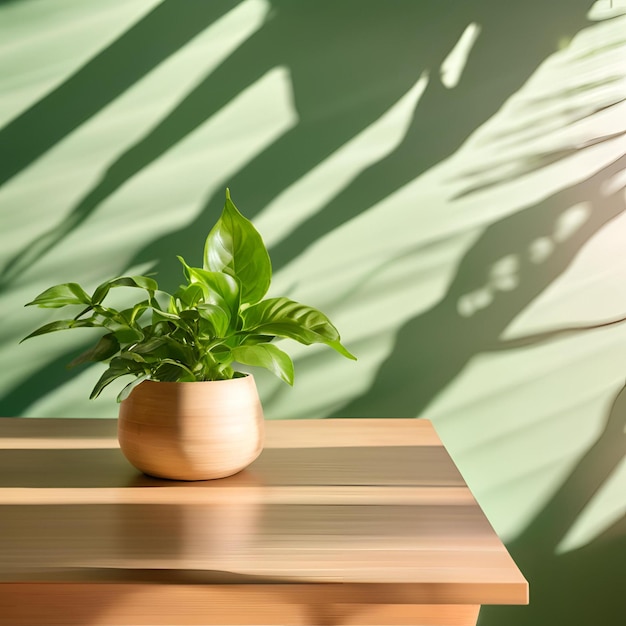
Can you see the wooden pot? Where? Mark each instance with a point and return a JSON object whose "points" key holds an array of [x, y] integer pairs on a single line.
{"points": [[192, 431]]}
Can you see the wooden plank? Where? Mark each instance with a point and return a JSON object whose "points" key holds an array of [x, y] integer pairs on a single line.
{"points": [[19, 432], [364, 466], [363, 503], [345, 433], [70, 604], [414, 544], [244, 493], [32, 433]]}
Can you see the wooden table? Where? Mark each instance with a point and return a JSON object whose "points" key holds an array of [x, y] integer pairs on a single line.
{"points": [[337, 522]]}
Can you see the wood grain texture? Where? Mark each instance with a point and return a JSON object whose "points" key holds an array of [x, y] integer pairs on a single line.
{"points": [[79, 604], [192, 431], [370, 512]]}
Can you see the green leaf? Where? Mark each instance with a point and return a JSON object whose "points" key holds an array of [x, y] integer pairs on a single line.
{"points": [[219, 289], [133, 356], [116, 369], [161, 328], [235, 247], [149, 346], [160, 315], [268, 356], [172, 371], [227, 372], [196, 333], [252, 340], [60, 296], [106, 347], [180, 352], [189, 295], [141, 282], [337, 346], [222, 355], [217, 320], [285, 318], [189, 315], [61, 325], [131, 385], [135, 313], [124, 333]]}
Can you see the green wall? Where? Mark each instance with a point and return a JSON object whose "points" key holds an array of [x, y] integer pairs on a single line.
{"points": [[444, 179]]}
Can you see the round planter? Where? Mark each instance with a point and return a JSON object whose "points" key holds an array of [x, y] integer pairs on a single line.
{"points": [[192, 431]]}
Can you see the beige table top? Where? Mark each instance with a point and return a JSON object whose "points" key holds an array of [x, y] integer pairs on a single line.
{"points": [[350, 507]]}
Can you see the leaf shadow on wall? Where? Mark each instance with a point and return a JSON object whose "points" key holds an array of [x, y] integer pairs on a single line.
{"points": [[446, 116], [44, 380], [432, 348], [585, 585], [371, 58], [149, 42]]}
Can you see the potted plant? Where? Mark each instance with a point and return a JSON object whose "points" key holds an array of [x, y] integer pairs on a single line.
{"points": [[189, 413]]}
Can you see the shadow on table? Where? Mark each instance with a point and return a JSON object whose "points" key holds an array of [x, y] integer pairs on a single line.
{"points": [[100, 468]]}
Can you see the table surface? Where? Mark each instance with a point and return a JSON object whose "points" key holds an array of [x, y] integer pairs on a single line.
{"points": [[367, 504]]}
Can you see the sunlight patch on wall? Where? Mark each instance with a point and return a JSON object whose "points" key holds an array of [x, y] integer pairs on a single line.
{"points": [[241, 130], [328, 178], [607, 507], [530, 413], [71, 168], [454, 64], [64, 33]]}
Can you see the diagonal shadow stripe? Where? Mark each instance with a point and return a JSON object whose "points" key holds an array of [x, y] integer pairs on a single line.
{"points": [[280, 41], [431, 349], [585, 585], [339, 90], [48, 378], [149, 42], [513, 42]]}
